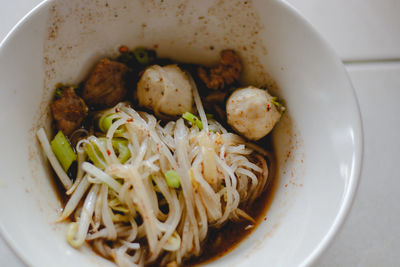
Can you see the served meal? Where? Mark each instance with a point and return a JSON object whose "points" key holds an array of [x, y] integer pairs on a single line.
{"points": [[146, 152]]}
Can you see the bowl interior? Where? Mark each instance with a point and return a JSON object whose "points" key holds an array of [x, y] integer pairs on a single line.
{"points": [[318, 142]]}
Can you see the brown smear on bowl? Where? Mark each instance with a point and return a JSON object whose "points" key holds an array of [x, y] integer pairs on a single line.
{"points": [[214, 26]]}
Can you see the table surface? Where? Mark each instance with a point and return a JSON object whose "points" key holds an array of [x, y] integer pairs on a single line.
{"points": [[365, 34]]}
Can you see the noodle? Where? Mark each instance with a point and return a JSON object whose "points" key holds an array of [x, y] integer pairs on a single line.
{"points": [[132, 214]]}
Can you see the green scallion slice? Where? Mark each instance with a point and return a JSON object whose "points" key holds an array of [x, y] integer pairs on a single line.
{"points": [[194, 120], [95, 155], [121, 147], [106, 122], [172, 179], [142, 56], [63, 150]]}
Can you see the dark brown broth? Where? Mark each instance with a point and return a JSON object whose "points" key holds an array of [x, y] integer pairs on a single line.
{"points": [[58, 188], [221, 241]]}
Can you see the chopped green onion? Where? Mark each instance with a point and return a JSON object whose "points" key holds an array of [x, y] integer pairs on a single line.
{"points": [[142, 56], [277, 104], [121, 146], [107, 121], [95, 155], [58, 93], [172, 178], [63, 150], [193, 119]]}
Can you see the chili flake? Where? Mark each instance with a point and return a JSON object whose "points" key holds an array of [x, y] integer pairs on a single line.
{"points": [[123, 49]]}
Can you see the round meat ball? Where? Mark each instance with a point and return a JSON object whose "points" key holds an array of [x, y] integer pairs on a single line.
{"points": [[165, 90], [251, 113]]}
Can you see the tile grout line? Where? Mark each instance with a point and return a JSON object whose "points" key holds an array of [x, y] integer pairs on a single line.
{"points": [[370, 61]]}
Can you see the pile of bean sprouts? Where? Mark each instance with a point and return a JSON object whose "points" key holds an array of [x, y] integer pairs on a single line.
{"points": [[121, 209]]}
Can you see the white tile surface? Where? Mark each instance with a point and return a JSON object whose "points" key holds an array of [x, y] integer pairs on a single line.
{"points": [[371, 236], [356, 29], [12, 11]]}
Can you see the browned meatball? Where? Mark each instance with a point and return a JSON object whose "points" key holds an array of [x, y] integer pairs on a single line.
{"points": [[106, 84], [225, 73], [69, 111]]}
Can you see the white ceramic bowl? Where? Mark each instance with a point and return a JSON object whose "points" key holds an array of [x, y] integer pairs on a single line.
{"points": [[319, 142]]}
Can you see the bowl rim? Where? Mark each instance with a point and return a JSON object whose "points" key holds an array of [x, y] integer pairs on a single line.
{"points": [[358, 138]]}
